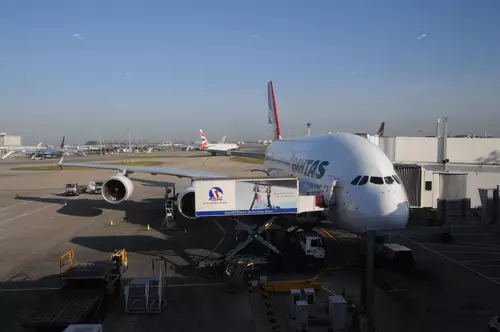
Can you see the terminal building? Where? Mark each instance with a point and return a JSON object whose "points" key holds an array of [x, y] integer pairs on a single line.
{"points": [[422, 162], [9, 140]]}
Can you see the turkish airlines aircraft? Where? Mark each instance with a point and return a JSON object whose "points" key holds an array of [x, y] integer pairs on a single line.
{"points": [[213, 148], [356, 179]]}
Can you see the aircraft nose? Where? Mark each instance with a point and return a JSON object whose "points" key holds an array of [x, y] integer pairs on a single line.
{"points": [[395, 215], [385, 213]]}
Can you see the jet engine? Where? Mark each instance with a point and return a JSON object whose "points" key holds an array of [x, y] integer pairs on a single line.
{"points": [[186, 203], [117, 189]]}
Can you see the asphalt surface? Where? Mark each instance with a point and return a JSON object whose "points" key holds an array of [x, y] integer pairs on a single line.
{"points": [[453, 288], [16, 161]]}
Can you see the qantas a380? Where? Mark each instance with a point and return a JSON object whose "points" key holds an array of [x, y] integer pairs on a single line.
{"points": [[357, 180]]}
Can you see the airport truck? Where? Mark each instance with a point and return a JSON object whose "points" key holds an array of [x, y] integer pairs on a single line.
{"points": [[95, 187], [312, 245], [75, 189]]}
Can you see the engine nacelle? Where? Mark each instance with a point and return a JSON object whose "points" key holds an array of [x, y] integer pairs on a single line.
{"points": [[186, 203], [117, 189]]}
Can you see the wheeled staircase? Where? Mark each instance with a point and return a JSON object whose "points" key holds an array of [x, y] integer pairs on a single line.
{"points": [[146, 295]]}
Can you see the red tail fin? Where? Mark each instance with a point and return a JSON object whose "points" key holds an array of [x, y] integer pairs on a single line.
{"points": [[273, 112]]}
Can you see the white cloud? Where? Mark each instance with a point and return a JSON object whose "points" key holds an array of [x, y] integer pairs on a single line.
{"points": [[77, 36], [127, 74], [354, 73], [254, 36], [422, 36]]}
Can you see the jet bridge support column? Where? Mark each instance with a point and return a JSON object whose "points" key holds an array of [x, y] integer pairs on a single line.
{"points": [[367, 288]]}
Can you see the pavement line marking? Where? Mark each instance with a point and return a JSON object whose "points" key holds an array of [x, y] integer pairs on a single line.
{"points": [[28, 213], [481, 261], [475, 234], [453, 261], [479, 244], [198, 285], [472, 246], [469, 253], [329, 291], [29, 289], [481, 265], [13, 206]]}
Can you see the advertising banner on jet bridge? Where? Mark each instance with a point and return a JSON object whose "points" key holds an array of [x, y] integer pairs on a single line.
{"points": [[232, 197]]}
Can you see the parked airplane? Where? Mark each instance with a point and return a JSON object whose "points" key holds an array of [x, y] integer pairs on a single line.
{"points": [[356, 179], [219, 147]]}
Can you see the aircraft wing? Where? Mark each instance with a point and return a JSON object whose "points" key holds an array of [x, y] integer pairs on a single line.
{"points": [[179, 172], [252, 154]]}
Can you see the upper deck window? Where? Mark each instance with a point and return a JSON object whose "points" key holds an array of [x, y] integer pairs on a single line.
{"points": [[356, 180], [363, 180], [376, 180], [389, 180]]}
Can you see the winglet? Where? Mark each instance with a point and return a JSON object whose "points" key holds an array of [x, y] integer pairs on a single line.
{"points": [[60, 162]]}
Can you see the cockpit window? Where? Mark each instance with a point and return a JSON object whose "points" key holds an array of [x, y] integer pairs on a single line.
{"points": [[389, 180], [376, 180], [396, 179], [356, 180], [363, 180]]}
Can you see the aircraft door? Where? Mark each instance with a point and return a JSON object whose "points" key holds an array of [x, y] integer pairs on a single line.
{"points": [[332, 195], [332, 201]]}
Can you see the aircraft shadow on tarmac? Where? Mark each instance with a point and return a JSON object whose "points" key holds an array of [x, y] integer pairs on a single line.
{"points": [[190, 246], [179, 259], [136, 212]]}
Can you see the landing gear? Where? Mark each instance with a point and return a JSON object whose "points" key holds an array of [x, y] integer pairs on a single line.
{"points": [[169, 222]]}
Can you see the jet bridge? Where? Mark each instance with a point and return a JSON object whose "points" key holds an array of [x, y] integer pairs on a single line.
{"points": [[236, 197]]}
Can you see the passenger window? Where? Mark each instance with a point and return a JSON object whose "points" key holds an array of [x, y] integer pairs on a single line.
{"points": [[396, 179], [389, 180], [363, 180], [356, 180], [376, 180]]}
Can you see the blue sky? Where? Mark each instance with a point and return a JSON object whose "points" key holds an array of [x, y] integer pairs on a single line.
{"points": [[92, 68]]}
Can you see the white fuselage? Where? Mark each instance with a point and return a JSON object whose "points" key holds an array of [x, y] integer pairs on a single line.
{"points": [[221, 147], [379, 203]]}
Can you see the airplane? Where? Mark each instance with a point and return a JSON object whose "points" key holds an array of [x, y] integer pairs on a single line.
{"points": [[198, 144], [380, 132], [49, 152], [220, 146], [356, 180], [21, 150]]}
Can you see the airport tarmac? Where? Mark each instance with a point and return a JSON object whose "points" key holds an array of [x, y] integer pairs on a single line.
{"points": [[448, 292], [17, 161]]}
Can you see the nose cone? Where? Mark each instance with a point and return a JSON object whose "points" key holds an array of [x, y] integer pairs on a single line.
{"points": [[384, 212], [394, 215]]}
